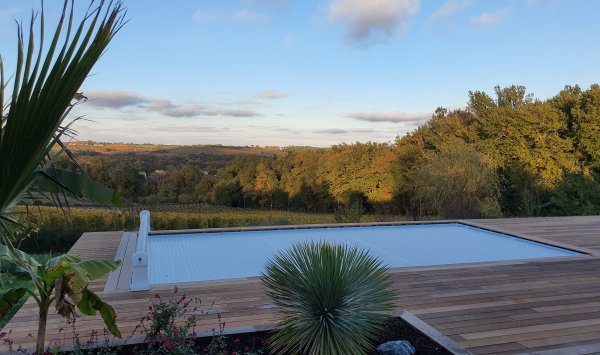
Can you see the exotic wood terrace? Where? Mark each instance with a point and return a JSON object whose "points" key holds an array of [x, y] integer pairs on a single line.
{"points": [[547, 306]]}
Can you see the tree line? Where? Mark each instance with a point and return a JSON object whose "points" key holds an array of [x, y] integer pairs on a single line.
{"points": [[505, 154]]}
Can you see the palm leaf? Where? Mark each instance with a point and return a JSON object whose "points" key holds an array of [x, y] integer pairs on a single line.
{"points": [[31, 125], [45, 84], [81, 186]]}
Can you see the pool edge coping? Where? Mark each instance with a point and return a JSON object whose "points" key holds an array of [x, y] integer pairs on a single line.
{"points": [[114, 278], [552, 243], [465, 222]]}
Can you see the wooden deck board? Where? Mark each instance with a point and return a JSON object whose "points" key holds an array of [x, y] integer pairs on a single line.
{"points": [[496, 308]]}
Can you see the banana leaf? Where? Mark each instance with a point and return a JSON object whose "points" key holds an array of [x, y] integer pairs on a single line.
{"points": [[90, 303], [9, 298]]}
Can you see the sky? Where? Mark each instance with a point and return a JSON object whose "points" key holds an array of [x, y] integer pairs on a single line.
{"points": [[322, 72]]}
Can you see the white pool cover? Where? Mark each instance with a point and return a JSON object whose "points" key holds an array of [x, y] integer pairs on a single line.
{"points": [[215, 256]]}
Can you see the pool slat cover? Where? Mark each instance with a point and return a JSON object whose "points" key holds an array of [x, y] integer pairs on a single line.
{"points": [[213, 256]]}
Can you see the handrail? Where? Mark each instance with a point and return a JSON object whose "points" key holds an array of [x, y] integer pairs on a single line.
{"points": [[139, 259]]}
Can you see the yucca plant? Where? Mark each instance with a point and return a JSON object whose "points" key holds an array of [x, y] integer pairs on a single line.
{"points": [[334, 299], [44, 91]]}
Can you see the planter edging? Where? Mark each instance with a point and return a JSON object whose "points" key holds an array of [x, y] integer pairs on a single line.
{"points": [[432, 333], [421, 326]]}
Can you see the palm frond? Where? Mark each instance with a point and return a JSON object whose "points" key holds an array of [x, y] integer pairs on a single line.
{"points": [[45, 85]]}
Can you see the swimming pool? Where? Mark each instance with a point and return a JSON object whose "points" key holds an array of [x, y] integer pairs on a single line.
{"points": [[179, 258]]}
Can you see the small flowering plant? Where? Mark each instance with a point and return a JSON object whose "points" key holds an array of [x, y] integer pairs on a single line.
{"points": [[168, 327], [245, 345]]}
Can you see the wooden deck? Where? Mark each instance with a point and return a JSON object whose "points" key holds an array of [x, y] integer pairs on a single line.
{"points": [[547, 306]]}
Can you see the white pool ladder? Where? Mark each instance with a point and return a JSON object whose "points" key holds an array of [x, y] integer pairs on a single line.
{"points": [[139, 260]]}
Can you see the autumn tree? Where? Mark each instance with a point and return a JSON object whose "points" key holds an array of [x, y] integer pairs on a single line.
{"points": [[457, 182], [586, 126]]}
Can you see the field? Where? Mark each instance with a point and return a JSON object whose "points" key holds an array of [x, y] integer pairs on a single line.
{"points": [[57, 232], [89, 147]]}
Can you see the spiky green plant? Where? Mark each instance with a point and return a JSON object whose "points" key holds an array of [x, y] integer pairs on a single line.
{"points": [[44, 91], [334, 299]]}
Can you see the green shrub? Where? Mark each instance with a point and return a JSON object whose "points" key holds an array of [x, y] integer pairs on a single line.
{"points": [[349, 213], [333, 298]]}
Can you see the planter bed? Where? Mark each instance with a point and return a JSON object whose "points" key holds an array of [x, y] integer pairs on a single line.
{"points": [[403, 326]]}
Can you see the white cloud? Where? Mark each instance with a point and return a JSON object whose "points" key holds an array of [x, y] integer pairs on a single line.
{"points": [[204, 16], [117, 100], [363, 130], [272, 95], [173, 110], [391, 116], [245, 15], [185, 127], [279, 5], [489, 18], [338, 131], [449, 8], [370, 21], [236, 112], [116, 128], [334, 131], [289, 40], [551, 3]]}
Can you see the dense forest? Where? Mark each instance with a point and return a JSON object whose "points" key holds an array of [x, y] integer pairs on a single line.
{"points": [[506, 154]]}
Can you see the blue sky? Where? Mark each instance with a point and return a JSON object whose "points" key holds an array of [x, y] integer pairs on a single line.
{"points": [[290, 72]]}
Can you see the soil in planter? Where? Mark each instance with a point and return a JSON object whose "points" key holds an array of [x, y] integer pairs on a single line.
{"points": [[395, 329], [242, 344], [399, 329]]}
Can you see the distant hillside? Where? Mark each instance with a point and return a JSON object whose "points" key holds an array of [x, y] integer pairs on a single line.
{"points": [[506, 154], [153, 173], [87, 148]]}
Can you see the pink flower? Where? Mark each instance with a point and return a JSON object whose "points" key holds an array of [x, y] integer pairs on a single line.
{"points": [[168, 344]]}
